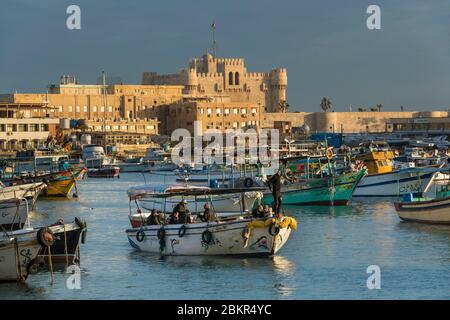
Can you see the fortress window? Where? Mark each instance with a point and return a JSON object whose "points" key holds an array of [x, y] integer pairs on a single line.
{"points": [[236, 78], [230, 78]]}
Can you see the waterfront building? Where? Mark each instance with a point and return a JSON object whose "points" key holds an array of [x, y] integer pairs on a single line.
{"points": [[19, 131]]}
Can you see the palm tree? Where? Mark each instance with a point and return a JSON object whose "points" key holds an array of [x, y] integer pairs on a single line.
{"points": [[379, 106], [284, 106], [325, 104]]}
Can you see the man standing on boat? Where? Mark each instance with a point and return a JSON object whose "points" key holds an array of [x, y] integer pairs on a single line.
{"points": [[275, 186]]}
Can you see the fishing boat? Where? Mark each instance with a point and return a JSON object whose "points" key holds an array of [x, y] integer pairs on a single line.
{"points": [[15, 202], [58, 184], [18, 251], [134, 165], [109, 171], [238, 235], [204, 174], [327, 190], [426, 210], [13, 213], [383, 181], [228, 202], [66, 247]]}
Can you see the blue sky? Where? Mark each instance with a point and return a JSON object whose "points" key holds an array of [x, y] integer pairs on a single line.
{"points": [[325, 45]]}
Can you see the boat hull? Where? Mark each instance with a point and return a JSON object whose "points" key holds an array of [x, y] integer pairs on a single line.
{"points": [[14, 212], [64, 250], [393, 184], [435, 211], [319, 191], [226, 239], [17, 257], [112, 172]]}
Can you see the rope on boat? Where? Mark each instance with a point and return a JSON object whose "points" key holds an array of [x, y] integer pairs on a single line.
{"points": [[20, 277], [65, 245], [50, 263]]}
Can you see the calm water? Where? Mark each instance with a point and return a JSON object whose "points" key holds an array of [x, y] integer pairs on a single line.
{"points": [[326, 258]]}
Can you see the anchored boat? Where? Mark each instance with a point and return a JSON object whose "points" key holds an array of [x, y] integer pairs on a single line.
{"points": [[229, 201], [18, 251], [329, 190], [426, 210], [235, 235]]}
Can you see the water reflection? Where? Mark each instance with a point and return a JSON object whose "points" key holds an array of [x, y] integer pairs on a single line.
{"points": [[432, 229]]}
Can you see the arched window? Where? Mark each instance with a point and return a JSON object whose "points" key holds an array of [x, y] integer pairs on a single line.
{"points": [[236, 78], [230, 78]]}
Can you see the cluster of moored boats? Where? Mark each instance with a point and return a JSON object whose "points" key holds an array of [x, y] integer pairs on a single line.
{"points": [[325, 179], [420, 182]]}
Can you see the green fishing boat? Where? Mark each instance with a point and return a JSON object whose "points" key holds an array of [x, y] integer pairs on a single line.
{"points": [[326, 191]]}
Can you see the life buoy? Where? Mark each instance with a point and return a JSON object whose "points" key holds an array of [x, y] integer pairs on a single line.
{"points": [[182, 231], [274, 229], [161, 233], [329, 153], [248, 182], [207, 236], [140, 235], [45, 237], [82, 224]]}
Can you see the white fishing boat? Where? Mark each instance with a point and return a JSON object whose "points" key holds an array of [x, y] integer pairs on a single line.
{"points": [[383, 181], [13, 213], [18, 251], [395, 183], [134, 165], [204, 174], [426, 210], [15, 201], [228, 202], [232, 236]]}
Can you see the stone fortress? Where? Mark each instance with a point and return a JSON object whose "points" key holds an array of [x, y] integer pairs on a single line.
{"points": [[226, 80]]}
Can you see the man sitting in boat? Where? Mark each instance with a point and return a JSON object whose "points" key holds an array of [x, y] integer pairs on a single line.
{"points": [[154, 218], [174, 218], [208, 214], [183, 210]]}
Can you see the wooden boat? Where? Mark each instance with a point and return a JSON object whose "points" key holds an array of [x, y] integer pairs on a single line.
{"points": [[62, 184], [68, 238], [134, 165], [426, 210], [18, 251], [236, 236], [383, 181], [328, 190], [58, 184], [228, 202], [14, 213], [15, 202], [104, 172]]}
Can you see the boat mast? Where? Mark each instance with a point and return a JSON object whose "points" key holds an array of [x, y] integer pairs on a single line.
{"points": [[105, 102]]}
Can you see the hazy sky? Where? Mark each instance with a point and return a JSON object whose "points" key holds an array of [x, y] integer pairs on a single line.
{"points": [[325, 45]]}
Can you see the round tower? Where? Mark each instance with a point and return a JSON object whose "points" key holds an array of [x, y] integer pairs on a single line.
{"points": [[278, 84], [192, 81]]}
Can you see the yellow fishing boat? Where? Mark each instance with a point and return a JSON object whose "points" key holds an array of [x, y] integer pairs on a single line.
{"points": [[62, 183]]}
